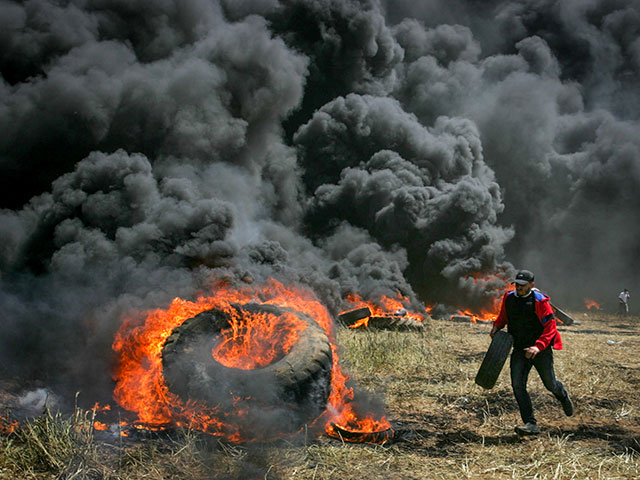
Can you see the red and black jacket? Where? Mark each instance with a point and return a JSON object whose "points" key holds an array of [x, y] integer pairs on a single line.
{"points": [[530, 320]]}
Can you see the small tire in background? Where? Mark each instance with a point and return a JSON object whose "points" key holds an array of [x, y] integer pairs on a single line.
{"points": [[352, 316], [395, 323], [494, 359], [562, 316]]}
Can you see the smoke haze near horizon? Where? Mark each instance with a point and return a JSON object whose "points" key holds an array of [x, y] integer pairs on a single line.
{"points": [[365, 147]]}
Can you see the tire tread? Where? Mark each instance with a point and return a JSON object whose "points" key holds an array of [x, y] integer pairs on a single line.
{"points": [[494, 360]]}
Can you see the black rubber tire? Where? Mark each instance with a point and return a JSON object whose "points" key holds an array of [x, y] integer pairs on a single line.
{"points": [[395, 323], [562, 316], [302, 376], [383, 436], [352, 316], [494, 359]]}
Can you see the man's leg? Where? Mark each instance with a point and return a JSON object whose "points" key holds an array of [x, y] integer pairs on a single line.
{"points": [[520, 368], [544, 365]]}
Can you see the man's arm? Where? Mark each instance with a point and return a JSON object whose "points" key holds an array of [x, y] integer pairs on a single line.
{"points": [[549, 325], [501, 319]]}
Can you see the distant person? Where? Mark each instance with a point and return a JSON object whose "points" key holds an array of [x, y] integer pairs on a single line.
{"points": [[623, 302], [529, 318]]}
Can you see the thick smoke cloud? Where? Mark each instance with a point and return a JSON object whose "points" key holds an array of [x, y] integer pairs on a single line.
{"points": [[555, 101], [215, 98], [352, 146], [425, 190]]}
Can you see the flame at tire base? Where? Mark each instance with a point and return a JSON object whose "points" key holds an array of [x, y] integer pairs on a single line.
{"points": [[359, 436], [140, 386]]}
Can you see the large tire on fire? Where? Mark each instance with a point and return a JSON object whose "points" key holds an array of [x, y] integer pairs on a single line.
{"points": [[494, 359], [301, 377]]}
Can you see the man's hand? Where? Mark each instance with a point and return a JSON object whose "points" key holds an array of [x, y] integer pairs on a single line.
{"points": [[494, 329], [531, 352]]}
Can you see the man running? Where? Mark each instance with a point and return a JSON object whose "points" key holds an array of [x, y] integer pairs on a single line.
{"points": [[529, 318]]}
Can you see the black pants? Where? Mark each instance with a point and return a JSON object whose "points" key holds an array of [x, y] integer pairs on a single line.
{"points": [[520, 368]]}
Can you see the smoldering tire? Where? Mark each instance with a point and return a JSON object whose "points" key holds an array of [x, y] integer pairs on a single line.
{"points": [[299, 379], [394, 322]]}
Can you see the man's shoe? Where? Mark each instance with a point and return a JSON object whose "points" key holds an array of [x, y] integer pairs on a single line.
{"points": [[567, 406], [528, 429]]}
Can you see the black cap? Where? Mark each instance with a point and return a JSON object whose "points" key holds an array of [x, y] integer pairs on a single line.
{"points": [[523, 276]]}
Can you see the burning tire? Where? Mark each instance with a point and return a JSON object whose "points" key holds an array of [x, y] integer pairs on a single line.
{"points": [[395, 323], [352, 316], [494, 359], [299, 377], [378, 437]]}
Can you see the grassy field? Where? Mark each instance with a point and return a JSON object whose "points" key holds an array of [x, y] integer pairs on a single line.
{"points": [[447, 427]]}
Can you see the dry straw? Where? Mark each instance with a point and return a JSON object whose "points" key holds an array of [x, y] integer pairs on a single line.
{"points": [[448, 427]]}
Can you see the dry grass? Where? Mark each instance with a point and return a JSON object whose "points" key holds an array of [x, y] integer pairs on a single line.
{"points": [[447, 427]]}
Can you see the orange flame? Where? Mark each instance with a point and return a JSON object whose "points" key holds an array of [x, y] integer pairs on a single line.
{"points": [[7, 426], [140, 386], [363, 322], [500, 285], [99, 408], [482, 316], [591, 304], [257, 341], [100, 426]]}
